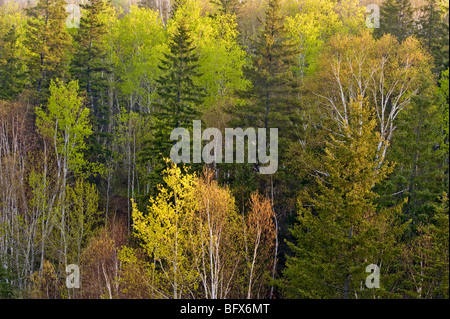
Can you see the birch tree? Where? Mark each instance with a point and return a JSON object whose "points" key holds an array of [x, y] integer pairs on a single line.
{"points": [[66, 123], [386, 72]]}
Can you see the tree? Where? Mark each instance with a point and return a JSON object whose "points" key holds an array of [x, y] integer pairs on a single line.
{"points": [[388, 73], [427, 258], [165, 231], [418, 149], [12, 76], [163, 7], [135, 276], [260, 242], [18, 220], [433, 32], [83, 215], [227, 6], [271, 99], [100, 263], [65, 123], [396, 18], [175, 5], [339, 229], [315, 23], [443, 93], [179, 96], [218, 240], [49, 43], [45, 284], [138, 42], [89, 64]]}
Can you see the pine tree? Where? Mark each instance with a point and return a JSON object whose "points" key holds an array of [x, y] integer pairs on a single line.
{"points": [[339, 228], [396, 18], [49, 42], [12, 76]]}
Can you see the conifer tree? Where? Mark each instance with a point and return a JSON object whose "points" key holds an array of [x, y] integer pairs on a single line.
{"points": [[339, 229], [12, 76], [421, 170], [89, 65], [443, 93], [396, 18], [271, 102], [49, 42], [433, 31], [227, 6], [272, 98], [179, 95], [429, 261]]}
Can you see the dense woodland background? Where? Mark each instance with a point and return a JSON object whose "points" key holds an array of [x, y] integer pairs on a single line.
{"points": [[85, 118]]}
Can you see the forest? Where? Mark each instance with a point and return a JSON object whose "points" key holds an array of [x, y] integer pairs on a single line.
{"points": [[93, 206]]}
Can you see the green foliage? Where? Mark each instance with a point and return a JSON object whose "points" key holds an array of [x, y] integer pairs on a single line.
{"points": [[48, 43], [179, 97], [444, 110], [314, 25], [271, 99], [138, 41], [82, 203], [89, 64], [396, 18], [363, 149], [433, 31], [165, 231], [428, 259], [418, 149], [339, 229], [66, 123], [179, 93], [220, 57], [6, 289], [12, 75], [227, 6]]}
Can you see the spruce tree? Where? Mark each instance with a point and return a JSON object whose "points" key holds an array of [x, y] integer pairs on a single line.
{"points": [[179, 96], [175, 5], [428, 261], [340, 230], [421, 172], [89, 64], [227, 6], [91, 68], [396, 18], [273, 97], [433, 32], [49, 42], [12, 76]]}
